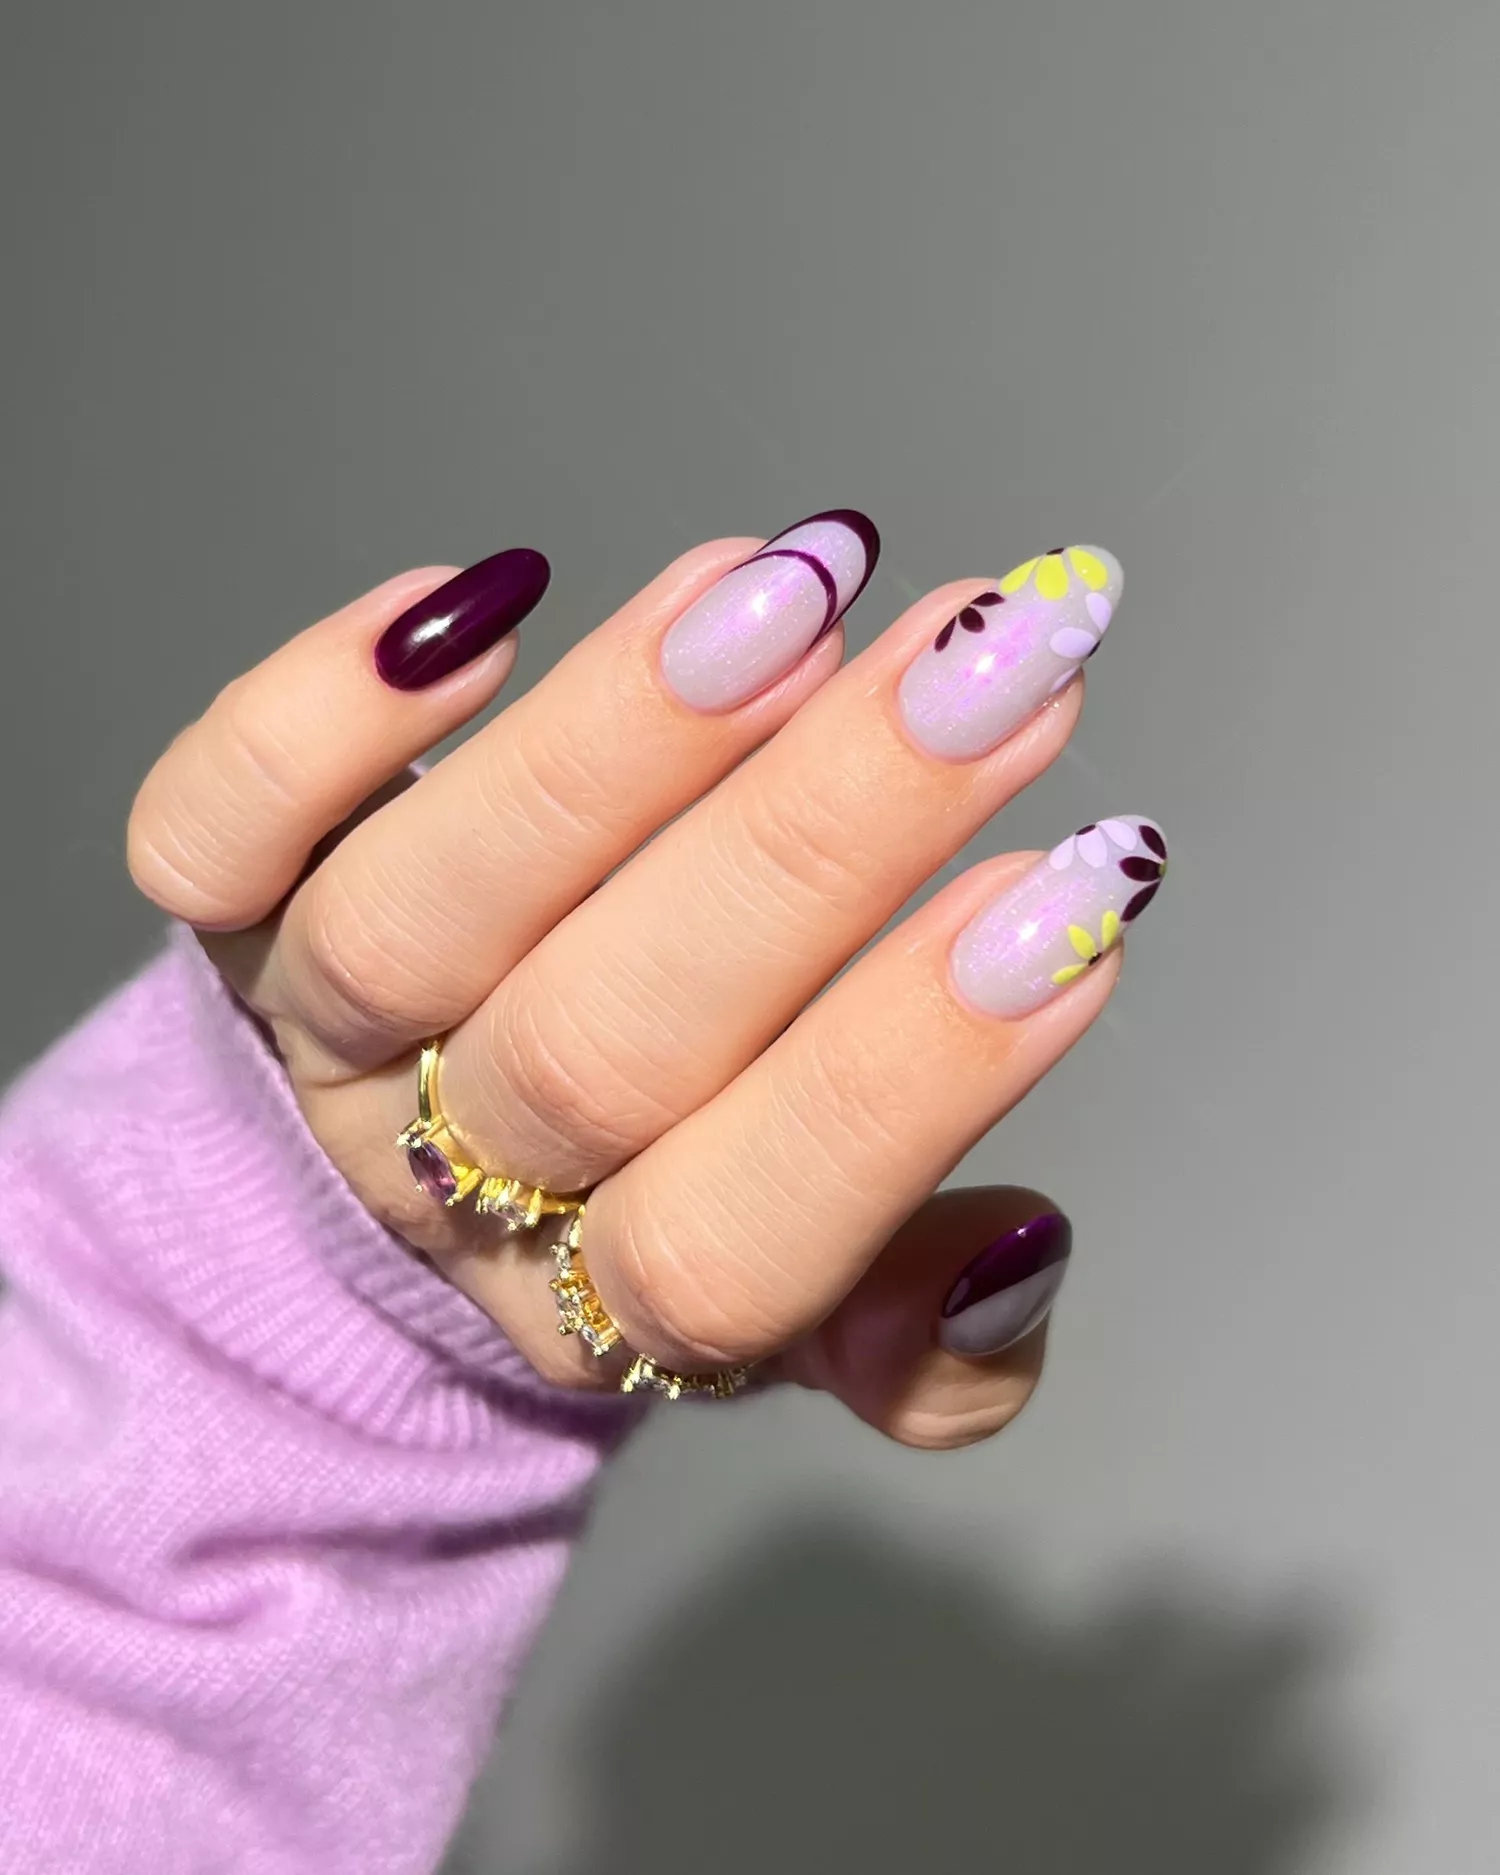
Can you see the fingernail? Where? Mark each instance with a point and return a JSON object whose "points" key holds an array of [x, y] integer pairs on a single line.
{"points": [[461, 620], [762, 618], [1008, 650], [1070, 910], [1008, 1289]]}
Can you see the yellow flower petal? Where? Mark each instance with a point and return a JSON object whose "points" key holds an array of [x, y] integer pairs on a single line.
{"points": [[1085, 946], [1016, 578], [1089, 567], [1067, 973], [1052, 577], [1109, 931]]}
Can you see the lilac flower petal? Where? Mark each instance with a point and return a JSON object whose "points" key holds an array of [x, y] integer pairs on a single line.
{"points": [[1073, 643], [1122, 833]]}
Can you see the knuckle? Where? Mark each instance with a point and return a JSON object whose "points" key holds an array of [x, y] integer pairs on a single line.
{"points": [[803, 849], [166, 864], [563, 1084], [260, 766], [350, 979], [680, 1310], [545, 785], [859, 1106]]}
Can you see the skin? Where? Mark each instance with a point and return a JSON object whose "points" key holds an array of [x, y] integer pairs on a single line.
{"points": [[622, 912]]}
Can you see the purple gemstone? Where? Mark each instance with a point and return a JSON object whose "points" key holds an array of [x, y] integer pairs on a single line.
{"points": [[431, 1170]]}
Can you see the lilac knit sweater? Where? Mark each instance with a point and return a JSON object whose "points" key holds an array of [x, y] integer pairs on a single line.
{"points": [[280, 1512]]}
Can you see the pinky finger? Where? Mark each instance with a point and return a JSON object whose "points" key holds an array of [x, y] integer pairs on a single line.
{"points": [[941, 1343], [225, 822]]}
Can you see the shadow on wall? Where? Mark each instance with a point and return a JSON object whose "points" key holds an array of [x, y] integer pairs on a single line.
{"points": [[836, 1707]]}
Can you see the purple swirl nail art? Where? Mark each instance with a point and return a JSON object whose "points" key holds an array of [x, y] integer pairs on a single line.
{"points": [[761, 619]]}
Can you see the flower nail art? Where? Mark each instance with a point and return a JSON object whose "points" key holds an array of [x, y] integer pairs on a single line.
{"points": [[1147, 869], [1050, 573], [1009, 649], [1058, 921], [1089, 947], [971, 619], [765, 615], [1092, 844]]}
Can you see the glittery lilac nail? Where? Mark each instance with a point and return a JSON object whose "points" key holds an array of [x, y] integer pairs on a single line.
{"points": [[1062, 918], [1008, 650], [1008, 1289], [761, 619]]}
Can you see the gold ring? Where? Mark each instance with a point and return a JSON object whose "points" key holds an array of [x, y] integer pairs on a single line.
{"points": [[581, 1313], [442, 1168]]}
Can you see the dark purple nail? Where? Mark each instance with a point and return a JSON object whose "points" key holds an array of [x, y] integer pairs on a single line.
{"points": [[462, 619], [1009, 1287]]}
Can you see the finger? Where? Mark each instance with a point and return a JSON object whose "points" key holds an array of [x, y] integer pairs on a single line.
{"points": [[654, 994], [225, 821], [426, 907], [940, 1343], [746, 1224]]}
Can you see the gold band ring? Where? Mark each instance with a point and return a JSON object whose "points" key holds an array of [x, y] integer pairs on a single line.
{"points": [[441, 1167], [581, 1313]]}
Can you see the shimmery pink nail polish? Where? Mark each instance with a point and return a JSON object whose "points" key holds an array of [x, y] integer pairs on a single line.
{"points": [[1008, 650], [1058, 921], [761, 619]]}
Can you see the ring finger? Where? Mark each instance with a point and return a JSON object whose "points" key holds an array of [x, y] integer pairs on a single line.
{"points": [[745, 1226]]}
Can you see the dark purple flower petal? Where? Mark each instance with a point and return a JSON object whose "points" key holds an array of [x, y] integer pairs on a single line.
{"points": [[989, 598], [971, 620], [1154, 840], [1088, 829], [1137, 868], [940, 643], [1139, 903]]}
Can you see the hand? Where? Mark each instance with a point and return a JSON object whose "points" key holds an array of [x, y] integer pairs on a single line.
{"points": [[619, 901]]}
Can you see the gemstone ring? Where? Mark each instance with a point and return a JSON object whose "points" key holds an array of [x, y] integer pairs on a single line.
{"points": [[442, 1169]]}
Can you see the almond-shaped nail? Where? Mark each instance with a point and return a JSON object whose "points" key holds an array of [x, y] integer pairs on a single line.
{"points": [[1008, 1289], [462, 619], [1064, 915], [1008, 650], [762, 618]]}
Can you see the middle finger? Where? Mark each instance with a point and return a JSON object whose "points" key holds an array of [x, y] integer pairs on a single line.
{"points": [[654, 994]]}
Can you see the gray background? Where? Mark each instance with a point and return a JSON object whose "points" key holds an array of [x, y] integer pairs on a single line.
{"points": [[302, 293]]}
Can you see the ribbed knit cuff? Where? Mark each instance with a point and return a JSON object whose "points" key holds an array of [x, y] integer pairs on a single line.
{"points": [[243, 1227]]}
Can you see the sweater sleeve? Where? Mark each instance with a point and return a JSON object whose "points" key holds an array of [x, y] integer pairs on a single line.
{"points": [[280, 1511]]}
